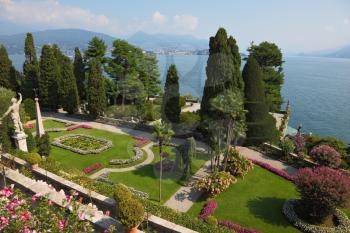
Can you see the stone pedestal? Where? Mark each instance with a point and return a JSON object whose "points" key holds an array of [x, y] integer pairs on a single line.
{"points": [[21, 141]]}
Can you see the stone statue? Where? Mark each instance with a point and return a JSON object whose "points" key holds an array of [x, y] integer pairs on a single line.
{"points": [[14, 110]]}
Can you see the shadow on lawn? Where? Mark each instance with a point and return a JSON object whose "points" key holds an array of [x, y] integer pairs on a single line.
{"points": [[269, 209]]}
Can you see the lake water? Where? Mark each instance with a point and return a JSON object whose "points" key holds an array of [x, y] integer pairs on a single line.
{"points": [[318, 89]]}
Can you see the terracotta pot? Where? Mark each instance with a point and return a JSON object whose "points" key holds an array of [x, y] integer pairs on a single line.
{"points": [[132, 230]]}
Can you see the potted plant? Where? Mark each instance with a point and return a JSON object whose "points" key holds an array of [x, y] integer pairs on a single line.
{"points": [[33, 159], [130, 214]]}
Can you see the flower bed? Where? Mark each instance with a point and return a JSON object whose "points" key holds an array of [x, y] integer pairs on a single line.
{"points": [[29, 126], [274, 170], [208, 209], [137, 156], [216, 183], [19, 214], [237, 228], [82, 144], [82, 126], [92, 168], [343, 220], [141, 141]]}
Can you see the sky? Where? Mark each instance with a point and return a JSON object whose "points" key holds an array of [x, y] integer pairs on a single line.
{"points": [[294, 25]]}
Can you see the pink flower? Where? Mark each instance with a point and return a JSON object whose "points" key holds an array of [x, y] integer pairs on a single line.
{"points": [[69, 198], [50, 202], [24, 216], [4, 220], [82, 216], [61, 224], [12, 204], [36, 197], [7, 191]]}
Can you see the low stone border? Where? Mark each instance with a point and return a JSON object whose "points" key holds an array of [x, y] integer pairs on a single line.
{"points": [[57, 142], [138, 155], [52, 130], [288, 211]]}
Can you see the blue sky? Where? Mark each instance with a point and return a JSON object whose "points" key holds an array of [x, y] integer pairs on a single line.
{"points": [[295, 25]]}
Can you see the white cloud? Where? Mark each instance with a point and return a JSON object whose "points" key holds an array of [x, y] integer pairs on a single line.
{"points": [[185, 22], [51, 13], [346, 21], [158, 18]]}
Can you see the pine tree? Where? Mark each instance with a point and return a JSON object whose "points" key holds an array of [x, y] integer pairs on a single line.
{"points": [[149, 75], [79, 73], [70, 97], [171, 100], [223, 71], [96, 95], [96, 50], [261, 126], [49, 73], [5, 68], [30, 67]]}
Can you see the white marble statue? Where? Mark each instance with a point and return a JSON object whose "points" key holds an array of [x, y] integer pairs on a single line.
{"points": [[14, 110]]}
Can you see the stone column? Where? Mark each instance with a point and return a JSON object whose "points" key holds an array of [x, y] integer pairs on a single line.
{"points": [[39, 121]]}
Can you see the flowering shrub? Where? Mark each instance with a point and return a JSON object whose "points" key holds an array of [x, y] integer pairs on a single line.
{"points": [[92, 167], [37, 214], [299, 143], [274, 170], [208, 209], [82, 126], [216, 183], [322, 190], [326, 155], [237, 165], [237, 228], [141, 141], [28, 126]]}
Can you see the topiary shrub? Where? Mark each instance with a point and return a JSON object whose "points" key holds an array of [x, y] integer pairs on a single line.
{"points": [[326, 155], [31, 144], [216, 183], [322, 190], [237, 165], [29, 107], [43, 144], [130, 212], [121, 192], [33, 158]]}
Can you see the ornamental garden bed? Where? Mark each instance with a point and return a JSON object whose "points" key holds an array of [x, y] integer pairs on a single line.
{"points": [[82, 144]]}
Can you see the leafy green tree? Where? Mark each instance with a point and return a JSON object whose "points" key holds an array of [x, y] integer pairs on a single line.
{"points": [[96, 51], [163, 133], [111, 90], [223, 71], [49, 75], [16, 80], [150, 75], [96, 96], [230, 107], [43, 144], [188, 153], [132, 89], [269, 57], [30, 67], [29, 106], [5, 131], [261, 126], [171, 100], [70, 97], [5, 68], [79, 73]]}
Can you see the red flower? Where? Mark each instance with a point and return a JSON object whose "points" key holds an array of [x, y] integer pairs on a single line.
{"points": [[61, 224]]}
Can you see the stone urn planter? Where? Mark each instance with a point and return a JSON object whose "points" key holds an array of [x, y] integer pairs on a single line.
{"points": [[132, 230]]}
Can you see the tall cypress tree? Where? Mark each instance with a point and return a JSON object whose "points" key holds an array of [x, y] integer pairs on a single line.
{"points": [[79, 73], [96, 95], [70, 97], [48, 86], [261, 126], [30, 67], [171, 100], [5, 68], [223, 71]]}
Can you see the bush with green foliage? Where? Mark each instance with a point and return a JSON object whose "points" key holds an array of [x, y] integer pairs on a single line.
{"points": [[130, 213], [121, 192], [29, 107], [182, 101], [287, 147], [43, 144], [215, 183], [33, 158], [31, 144], [211, 220], [322, 191], [189, 121], [237, 165]]}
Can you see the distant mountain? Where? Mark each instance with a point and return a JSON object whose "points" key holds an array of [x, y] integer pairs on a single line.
{"points": [[66, 39], [343, 52], [158, 42]]}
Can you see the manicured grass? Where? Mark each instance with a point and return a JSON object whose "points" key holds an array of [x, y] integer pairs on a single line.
{"points": [[49, 124], [146, 178], [255, 201], [122, 149]]}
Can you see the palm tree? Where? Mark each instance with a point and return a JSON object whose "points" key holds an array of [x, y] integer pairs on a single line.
{"points": [[163, 133], [230, 106]]}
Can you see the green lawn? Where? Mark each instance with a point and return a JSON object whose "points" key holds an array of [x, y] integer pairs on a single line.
{"points": [[49, 124], [255, 201], [146, 178], [122, 149]]}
